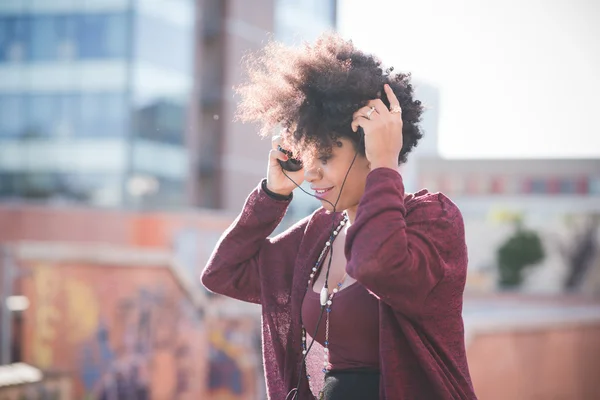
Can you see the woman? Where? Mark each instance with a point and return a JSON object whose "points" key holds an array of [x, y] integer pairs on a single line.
{"points": [[376, 275]]}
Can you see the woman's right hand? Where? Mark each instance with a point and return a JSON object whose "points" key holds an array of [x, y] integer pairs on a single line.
{"points": [[277, 182]]}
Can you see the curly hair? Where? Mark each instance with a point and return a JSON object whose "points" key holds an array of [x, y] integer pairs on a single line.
{"points": [[312, 91]]}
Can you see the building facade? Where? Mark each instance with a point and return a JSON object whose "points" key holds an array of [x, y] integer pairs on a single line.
{"points": [[232, 158], [130, 103], [95, 100]]}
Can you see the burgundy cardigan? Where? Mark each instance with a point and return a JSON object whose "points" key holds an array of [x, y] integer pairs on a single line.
{"points": [[408, 250]]}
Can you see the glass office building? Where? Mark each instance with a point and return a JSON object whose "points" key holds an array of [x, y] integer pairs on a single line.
{"points": [[95, 100]]}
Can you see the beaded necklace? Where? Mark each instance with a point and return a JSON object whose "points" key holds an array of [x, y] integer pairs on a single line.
{"points": [[326, 299]]}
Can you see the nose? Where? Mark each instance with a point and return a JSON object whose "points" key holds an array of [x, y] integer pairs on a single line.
{"points": [[312, 173]]}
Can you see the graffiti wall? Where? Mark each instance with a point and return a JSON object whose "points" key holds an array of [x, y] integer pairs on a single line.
{"points": [[121, 333], [129, 332], [235, 361]]}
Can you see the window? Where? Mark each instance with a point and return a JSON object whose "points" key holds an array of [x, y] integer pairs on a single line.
{"points": [[538, 186], [497, 184], [5, 37], [116, 114], [582, 185], [12, 115], [68, 118], [101, 36], [526, 185], [42, 115], [44, 41], [102, 114], [50, 37], [63, 114], [553, 186], [163, 121], [567, 186], [13, 38]]}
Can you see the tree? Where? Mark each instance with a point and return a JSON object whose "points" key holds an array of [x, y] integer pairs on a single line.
{"points": [[520, 251]]}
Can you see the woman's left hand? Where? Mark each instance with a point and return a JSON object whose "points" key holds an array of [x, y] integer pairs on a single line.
{"points": [[383, 130]]}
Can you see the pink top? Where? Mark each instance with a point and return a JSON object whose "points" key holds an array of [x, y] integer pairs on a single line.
{"points": [[353, 327], [407, 249]]}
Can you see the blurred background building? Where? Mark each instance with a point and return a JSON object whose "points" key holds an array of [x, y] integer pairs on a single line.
{"points": [[95, 98], [115, 126], [232, 158], [130, 103]]}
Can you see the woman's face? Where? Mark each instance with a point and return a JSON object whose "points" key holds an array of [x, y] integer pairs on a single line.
{"points": [[326, 171]]}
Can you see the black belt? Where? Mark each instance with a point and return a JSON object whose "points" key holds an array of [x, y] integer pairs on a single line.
{"points": [[353, 384]]}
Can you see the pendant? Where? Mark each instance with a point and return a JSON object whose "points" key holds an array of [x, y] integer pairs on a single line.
{"points": [[324, 296]]}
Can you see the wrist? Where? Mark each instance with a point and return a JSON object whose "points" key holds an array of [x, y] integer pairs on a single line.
{"points": [[276, 194], [392, 164]]}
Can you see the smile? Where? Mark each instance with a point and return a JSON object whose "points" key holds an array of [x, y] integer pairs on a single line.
{"points": [[322, 191]]}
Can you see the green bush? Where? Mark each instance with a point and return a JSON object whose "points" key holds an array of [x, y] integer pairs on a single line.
{"points": [[520, 251]]}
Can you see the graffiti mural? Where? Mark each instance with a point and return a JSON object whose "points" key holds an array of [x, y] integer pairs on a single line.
{"points": [[126, 333], [235, 369]]}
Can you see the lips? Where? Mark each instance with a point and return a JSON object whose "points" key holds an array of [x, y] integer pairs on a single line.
{"points": [[321, 191]]}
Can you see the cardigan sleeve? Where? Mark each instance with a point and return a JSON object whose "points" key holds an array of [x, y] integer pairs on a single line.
{"points": [[400, 248], [245, 255]]}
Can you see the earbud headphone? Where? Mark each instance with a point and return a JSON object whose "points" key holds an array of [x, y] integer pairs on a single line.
{"points": [[293, 165]]}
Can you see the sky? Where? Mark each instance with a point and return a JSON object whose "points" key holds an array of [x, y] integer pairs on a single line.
{"points": [[516, 78]]}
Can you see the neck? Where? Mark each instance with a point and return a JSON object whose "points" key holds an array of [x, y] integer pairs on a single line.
{"points": [[351, 212]]}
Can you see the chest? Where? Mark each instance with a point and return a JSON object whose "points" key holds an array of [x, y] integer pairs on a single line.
{"points": [[337, 268]]}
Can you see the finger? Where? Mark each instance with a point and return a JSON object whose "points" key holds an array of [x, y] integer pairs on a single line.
{"points": [[365, 112], [360, 121], [275, 154], [379, 106], [394, 102], [276, 141]]}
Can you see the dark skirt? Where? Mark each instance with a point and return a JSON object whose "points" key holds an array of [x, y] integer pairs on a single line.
{"points": [[356, 384]]}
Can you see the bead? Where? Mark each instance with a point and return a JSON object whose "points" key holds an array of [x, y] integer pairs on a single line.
{"points": [[324, 370], [329, 302], [325, 363], [328, 244], [314, 269], [303, 351], [325, 356], [335, 233], [312, 275], [308, 377], [326, 350], [327, 343], [328, 309], [342, 223], [335, 290]]}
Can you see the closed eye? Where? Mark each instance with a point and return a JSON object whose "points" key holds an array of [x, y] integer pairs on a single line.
{"points": [[324, 159]]}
